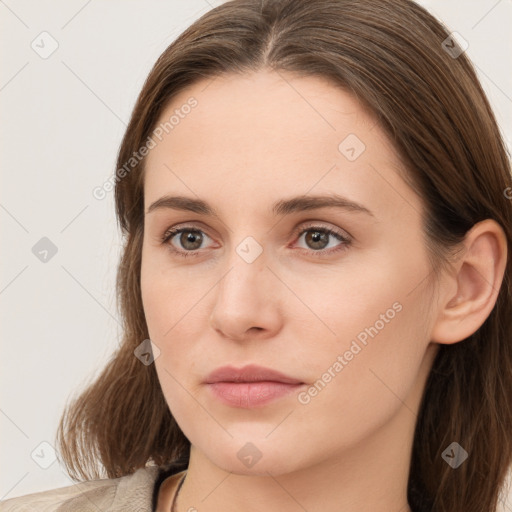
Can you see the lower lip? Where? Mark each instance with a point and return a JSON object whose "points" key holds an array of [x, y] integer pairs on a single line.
{"points": [[251, 394]]}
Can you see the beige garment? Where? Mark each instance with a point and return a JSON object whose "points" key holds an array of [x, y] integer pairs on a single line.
{"points": [[130, 493]]}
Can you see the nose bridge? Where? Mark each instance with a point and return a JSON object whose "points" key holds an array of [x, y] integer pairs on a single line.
{"points": [[247, 266], [245, 296], [246, 239]]}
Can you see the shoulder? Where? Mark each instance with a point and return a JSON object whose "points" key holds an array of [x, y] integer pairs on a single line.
{"points": [[127, 493]]}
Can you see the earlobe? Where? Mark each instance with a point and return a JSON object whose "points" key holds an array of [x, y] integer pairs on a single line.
{"points": [[477, 278]]}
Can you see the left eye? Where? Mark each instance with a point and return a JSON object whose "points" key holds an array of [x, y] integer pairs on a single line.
{"points": [[191, 240], [318, 237]]}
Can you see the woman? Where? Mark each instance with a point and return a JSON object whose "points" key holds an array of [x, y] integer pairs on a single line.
{"points": [[315, 285]]}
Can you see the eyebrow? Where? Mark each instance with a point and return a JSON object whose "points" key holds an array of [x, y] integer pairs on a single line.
{"points": [[281, 207]]}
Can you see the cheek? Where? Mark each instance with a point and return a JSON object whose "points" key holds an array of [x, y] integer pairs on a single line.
{"points": [[373, 380], [373, 318], [164, 293], [175, 317], [154, 301]]}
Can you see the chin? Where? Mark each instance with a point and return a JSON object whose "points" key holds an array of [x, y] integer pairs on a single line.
{"points": [[253, 458]]}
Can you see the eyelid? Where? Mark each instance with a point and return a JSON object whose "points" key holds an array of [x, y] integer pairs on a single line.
{"points": [[320, 224], [174, 230], [303, 226]]}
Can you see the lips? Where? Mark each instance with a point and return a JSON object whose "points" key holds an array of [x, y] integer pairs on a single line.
{"points": [[249, 373], [251, 386]]}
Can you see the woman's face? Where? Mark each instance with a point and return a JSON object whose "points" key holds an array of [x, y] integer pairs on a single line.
{"points": [[265, 283]]}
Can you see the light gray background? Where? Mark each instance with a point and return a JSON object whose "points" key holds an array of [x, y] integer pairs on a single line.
{"points": [[63, 118]]}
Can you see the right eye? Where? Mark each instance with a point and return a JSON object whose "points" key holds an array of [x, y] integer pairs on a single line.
{"points": [[190, 239]]}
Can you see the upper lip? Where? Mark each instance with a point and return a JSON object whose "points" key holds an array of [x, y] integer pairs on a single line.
{"points": [[249, 373]]}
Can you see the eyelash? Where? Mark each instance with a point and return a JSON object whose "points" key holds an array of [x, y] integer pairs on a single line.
{"points": [[170, 233]]}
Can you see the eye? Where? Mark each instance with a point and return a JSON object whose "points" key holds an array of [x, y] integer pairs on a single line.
{"points": [[191, 239], [317, 237]]}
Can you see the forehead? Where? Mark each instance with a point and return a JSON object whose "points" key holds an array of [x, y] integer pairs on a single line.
{"points": [[274, 109], [270, 135]]}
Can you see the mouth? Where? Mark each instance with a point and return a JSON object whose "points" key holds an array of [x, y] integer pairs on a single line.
{"points": [[247, 395], [250, 386]]}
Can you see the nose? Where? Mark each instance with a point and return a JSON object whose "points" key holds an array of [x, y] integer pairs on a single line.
{"points": [[247, 301]]}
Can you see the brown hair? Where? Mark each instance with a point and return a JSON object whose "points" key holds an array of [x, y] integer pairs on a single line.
{"points": [[390, 54]]}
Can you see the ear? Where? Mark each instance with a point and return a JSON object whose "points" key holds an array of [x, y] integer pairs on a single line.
{"points": [[470, 292]]}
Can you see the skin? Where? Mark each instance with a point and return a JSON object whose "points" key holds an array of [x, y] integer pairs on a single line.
{"points": [[250, 141]]}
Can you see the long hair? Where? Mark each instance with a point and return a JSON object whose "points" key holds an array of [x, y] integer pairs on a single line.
{"points": [[403, 65]]}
